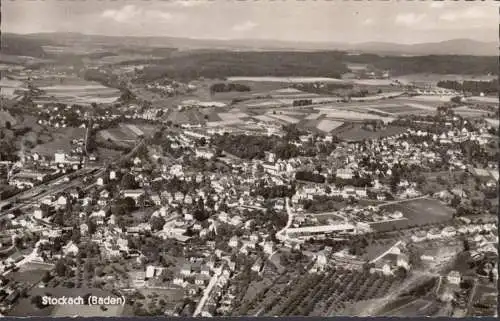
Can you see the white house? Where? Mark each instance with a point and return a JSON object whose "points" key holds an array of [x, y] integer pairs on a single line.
{"points": [[454, 277], [133, 193], [233, 242]]}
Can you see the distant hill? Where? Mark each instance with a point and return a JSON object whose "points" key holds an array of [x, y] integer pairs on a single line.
{"points": [[449, 47], [20, 45], [464, 47]]}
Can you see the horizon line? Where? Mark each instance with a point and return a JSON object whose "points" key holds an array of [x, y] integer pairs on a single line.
{"points": [[249, 39]]}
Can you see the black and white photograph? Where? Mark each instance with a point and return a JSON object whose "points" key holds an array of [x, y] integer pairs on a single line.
{"points": [[214, 158]]}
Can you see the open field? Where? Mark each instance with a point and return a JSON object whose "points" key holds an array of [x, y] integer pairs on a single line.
{"points": [[116, 134], [265, 118], [73, 90], [351, 115], [401, 110], [31, 277], [87, 311], [493, 122], [417, 308], [313, 116], [327, 125], [488, 99], [126, 132], [5, 117], [62, 138], [433, 98], [285, 118], [471, 112], [232, 115], [285, 79], [422, 211], [354, 132], [138, 129], [186, 116]]}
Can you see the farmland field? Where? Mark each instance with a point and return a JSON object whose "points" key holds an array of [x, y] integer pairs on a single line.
{"points": [[327, 125], [285, 118], [373, 82], [405, 109], [75, 91], [125, 132], [470, 112], [491, 100], [232, 115], [432, 98], [422, 211], [285, 79], [265, 118], [351, 115]]}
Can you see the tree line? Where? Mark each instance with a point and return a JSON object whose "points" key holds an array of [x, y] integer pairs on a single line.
{"points": [[222, 88], [471, 86]]}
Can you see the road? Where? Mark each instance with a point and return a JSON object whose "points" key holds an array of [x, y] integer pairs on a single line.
{"points": [[206, 295], [281, 234]]}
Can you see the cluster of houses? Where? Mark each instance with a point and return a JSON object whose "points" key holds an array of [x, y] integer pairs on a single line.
{"points": [[450, 231]]}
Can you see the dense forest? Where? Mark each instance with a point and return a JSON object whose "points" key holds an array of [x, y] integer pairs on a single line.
{"points": [[220, 64], [223, 64], [222, 88], [470, 86], [18, 45]]}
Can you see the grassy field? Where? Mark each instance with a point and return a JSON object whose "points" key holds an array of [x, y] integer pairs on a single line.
{"points": [[285, 118], [72, 90], [285, 79], [62, 138], [327, 125], [417, 308], [87, 311], [422, 211], [126, 132], [350, 115], [187, 116], [401, 110]]}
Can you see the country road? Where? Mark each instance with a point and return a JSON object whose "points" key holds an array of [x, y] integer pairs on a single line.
{"points": [[206, 295], [280, 234]]}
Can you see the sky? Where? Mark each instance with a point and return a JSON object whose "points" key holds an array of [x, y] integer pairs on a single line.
{"points": [[287, 20]]}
